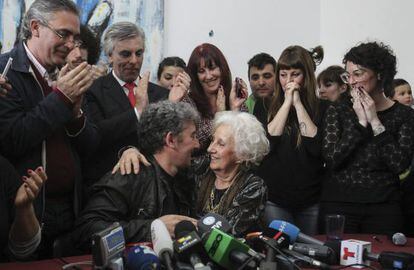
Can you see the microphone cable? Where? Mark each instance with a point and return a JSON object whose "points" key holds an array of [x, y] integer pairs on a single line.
{"points": [[280, 252], [355, 264], [76, 265], [246, 263]]}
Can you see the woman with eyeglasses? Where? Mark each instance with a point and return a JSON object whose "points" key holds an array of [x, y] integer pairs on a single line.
{"points": [[293, 169], [368, 141]]}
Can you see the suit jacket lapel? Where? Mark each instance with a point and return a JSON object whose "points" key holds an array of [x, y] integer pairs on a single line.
{"points": [[116, 92]]}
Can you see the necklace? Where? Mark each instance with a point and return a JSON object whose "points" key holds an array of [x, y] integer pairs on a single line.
{"points": [[210, 203], [210, 207]]}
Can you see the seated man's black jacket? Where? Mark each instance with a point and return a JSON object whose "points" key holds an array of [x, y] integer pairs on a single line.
{"points": [[134, 201]]}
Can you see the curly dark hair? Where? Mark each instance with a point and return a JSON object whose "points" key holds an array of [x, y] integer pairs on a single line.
{"points": [[378, 57], [91, 43], [160, 118]]}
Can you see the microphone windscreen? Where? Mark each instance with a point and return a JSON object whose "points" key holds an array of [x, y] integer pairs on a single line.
{"points": [[213, 221], [399, 239], [219, 245], [291, 230], [281, 239], [161, 239], [183, 227], [142, 258]]}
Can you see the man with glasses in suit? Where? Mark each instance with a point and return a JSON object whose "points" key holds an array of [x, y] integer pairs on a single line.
{"points": [[42, 124]]}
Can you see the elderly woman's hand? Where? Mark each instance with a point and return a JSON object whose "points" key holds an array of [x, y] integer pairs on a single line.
{"points": [[29, 190], [4, 87], [130, 159], [237, 101]]}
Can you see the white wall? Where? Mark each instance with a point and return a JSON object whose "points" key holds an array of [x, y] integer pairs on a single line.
{"points": [[241, 28], [245, 27], [345, 23]]}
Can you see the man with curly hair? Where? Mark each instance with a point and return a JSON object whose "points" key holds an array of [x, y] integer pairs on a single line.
{"points": [[167, 136]]}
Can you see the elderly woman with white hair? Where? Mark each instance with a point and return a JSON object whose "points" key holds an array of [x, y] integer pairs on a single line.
{"points": [[228, 186]]}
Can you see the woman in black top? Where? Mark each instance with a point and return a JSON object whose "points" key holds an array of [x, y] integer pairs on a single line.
{"points": [[368, 141], [293, 168]]}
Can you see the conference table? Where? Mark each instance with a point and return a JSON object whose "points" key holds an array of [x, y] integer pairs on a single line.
{"points": [[379, 243]]}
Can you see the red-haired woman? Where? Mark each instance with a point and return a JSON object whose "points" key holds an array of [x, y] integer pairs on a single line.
{"points": [[211, 89]]}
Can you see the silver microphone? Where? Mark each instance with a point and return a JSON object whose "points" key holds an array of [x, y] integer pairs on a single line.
{"points": [[399, 239]]}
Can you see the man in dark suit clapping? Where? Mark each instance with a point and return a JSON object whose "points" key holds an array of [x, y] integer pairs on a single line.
{"points": [[116, 101]]}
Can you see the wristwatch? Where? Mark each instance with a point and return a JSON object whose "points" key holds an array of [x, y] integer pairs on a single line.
{"points": [[80, 113], [378, 130]]}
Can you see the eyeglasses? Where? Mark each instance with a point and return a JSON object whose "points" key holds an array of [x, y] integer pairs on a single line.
{"points": [[64, 35], [358, 76]]}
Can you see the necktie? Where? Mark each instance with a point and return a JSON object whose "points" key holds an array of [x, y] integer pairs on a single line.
{"points": [[131, 96]]}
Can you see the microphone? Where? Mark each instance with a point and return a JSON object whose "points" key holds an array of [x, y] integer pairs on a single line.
{"points": [[312, 250], [307, 259], [241, 258], [359, 252], [162, 243], [211, 221], [293, 232], [142, 258], [268, 240], [188, 244], [223, 249], [281, 239], [356, 252], [398, 239], [396, 260], [274, 239]]}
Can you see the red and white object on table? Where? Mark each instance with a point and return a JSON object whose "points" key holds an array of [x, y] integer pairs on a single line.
{"points": [[352, 252]]}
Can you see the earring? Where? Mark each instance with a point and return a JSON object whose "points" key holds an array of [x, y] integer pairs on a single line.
{"points": [[379, 76]]}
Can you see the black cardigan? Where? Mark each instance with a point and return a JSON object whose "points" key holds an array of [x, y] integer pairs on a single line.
{"points": [[292, 174], [364, 168]]}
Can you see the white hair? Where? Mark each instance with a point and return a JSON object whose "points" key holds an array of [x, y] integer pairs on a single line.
{"points": [[250, 141]]}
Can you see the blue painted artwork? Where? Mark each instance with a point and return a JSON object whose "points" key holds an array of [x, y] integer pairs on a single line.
{"points": [[98, 15]]}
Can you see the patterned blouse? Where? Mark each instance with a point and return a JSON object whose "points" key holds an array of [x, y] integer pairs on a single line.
{"points": [[364, 168], [244, 213], [205, 128]]}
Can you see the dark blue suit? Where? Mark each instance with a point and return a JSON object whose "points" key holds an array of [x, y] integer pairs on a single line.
{"points": [[110, 110]]}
